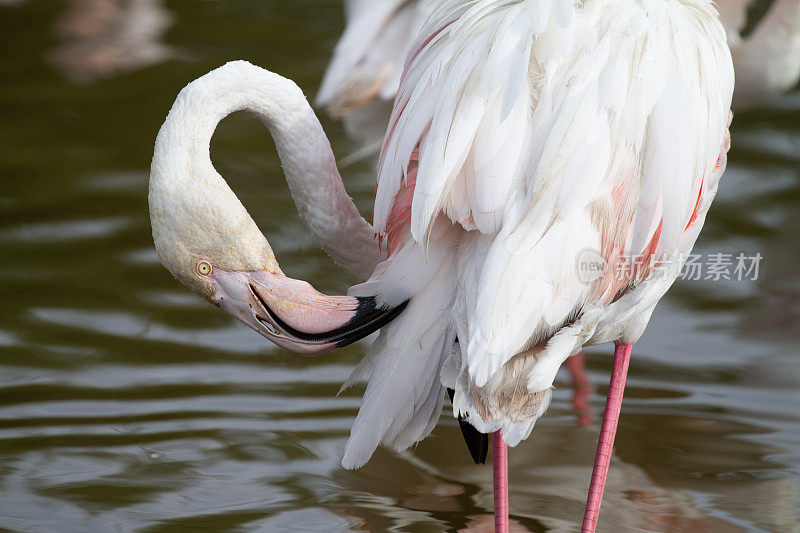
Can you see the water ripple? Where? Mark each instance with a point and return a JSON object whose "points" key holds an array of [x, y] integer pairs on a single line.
{"points": [[72, 230]]}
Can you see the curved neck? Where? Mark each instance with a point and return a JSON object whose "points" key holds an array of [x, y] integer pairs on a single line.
{"points": [[303, 148]]}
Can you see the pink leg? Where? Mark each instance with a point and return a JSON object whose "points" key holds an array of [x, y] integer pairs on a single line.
{"points": [[582, 388], [622, 356], [500, 467]]}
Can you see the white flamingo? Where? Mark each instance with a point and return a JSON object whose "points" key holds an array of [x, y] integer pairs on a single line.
{"points": [[767, 60], [369, 58], [527, 136]]}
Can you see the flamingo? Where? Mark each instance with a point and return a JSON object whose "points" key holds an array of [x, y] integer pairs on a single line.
{"points": [[528, 137], [368, 61], [103, 38], [767, 60]]}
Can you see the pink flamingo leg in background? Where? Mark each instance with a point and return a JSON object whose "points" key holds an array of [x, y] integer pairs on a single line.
{"points": [[500, 467], [582, 388], [622, 356]]}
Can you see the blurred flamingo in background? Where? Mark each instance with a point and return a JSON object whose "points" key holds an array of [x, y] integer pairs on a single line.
{"points": [[368, 60], [103, 38], [364, 74], [767, 59], [528, 138]]}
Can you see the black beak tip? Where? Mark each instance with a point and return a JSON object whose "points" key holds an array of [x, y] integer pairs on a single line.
{"points": [[368, 319]]}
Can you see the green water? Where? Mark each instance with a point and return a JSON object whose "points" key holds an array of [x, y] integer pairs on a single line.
{"points": [[128, 404]]}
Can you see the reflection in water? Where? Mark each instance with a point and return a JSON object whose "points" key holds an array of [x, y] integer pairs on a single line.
{"points": [[107, 37], [547, 492], [125, 405]]}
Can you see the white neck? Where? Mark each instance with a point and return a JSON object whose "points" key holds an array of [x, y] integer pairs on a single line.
{"points": [[304, 150]]}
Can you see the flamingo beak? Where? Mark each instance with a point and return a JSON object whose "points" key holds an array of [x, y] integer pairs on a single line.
{"points": [[293, 315]]}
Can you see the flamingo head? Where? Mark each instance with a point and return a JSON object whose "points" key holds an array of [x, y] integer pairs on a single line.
{"points": [[208, 241]]}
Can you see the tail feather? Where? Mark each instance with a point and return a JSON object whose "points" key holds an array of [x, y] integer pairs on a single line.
{"points": [[404, 395], [426, 390], [423, 421]]}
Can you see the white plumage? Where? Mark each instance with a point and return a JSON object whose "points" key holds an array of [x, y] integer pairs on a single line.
{"points": [[543, 128], [367, 65]]}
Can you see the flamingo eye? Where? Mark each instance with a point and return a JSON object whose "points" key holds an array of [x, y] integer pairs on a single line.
{"points": [[204, 268]]}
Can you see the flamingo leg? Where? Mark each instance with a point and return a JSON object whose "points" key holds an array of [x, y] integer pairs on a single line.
{"points": [[500, 467], [605, 446], [582, 388]]}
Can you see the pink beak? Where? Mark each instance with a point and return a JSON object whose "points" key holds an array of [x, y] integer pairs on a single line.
{"points": [[295, 316]]}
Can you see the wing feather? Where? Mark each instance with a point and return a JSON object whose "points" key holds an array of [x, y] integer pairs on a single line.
{"points": [[608, 136], [556, 135]]}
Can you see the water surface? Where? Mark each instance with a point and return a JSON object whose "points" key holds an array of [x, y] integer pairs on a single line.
{"points": [[128, 404]]}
